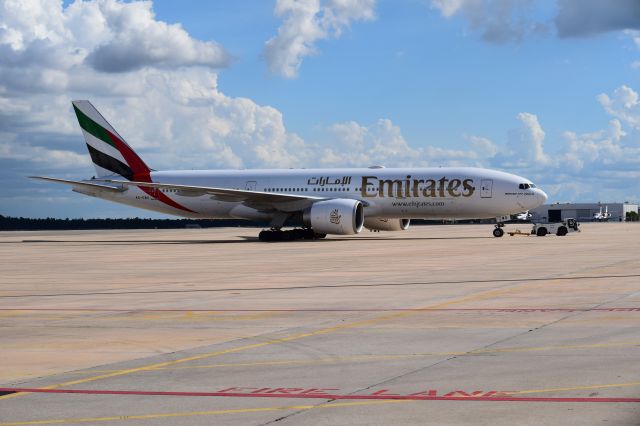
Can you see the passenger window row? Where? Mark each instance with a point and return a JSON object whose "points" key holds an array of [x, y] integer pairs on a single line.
{"points": [[307, 189], [286, 190]]}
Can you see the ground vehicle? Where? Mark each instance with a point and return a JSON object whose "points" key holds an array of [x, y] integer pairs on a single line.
{"points": [[559, 228]]}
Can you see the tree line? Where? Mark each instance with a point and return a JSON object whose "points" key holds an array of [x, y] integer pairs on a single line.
{"points": [[8, 223]]}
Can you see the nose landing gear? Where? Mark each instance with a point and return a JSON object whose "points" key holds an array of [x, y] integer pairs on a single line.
{"points": [[498, 231]]}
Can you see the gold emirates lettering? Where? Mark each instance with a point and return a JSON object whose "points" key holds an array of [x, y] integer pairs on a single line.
{"points": [[409, 187]]}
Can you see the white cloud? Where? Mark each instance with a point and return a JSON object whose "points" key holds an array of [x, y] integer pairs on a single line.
{"points": [[483, 146], [525, 144], [382, 143], [108, 35], [448, 8], [591, 149], [305, 23], [624, 104], [167, 104], [351, 143], [605, 151], [635, 37], [52, 158], [176, 117], [497, 21], [587, 166], [134, 39]]}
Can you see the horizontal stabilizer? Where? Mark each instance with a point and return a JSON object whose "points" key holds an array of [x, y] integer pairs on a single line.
{"points": [[87, 185]]}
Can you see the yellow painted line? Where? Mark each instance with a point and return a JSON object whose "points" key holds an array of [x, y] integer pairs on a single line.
{"points": [[545, 348], [200, 413], [29, 315], [409, 356], [20, 315], [198, 357], [611, 385], [365, 358], [396, 315], [187, 317]]}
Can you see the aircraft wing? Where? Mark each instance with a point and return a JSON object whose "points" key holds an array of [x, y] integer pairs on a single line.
{"points": [[265, 201], [86, 185]]}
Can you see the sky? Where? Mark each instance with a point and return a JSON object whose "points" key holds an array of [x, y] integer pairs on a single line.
{"points": [[544, 89]]}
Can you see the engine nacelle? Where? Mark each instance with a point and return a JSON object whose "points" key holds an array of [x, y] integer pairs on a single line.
{"points": [[383, 224], [340, 216]]}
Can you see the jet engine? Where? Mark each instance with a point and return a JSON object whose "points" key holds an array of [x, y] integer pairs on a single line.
{"points": [[339, 216], [383, 224]]}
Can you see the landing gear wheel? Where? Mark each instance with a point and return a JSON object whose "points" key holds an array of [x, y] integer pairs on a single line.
{"points": [[265, 236], [290, 235], [498, 232], [308, 234]]}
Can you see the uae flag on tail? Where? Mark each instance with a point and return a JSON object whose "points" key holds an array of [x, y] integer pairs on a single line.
{"points": [[109, 152]]}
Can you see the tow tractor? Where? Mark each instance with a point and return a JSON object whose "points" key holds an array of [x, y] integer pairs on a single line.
{"points": [[542, 228], [559, 228]]}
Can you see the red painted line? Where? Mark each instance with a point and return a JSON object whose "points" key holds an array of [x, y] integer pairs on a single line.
{"points": [[506, 310], [319, 395]]}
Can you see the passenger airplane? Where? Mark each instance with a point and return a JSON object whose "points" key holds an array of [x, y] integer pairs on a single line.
{"points": [[602, 217], [319, 201], [524, 216]]}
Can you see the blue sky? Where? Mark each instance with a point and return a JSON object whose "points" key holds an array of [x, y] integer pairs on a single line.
{"points": [[544, 89]]}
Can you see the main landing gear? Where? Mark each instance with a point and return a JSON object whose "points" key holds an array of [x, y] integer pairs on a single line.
{"points": [[498, 231], [290, 235]]}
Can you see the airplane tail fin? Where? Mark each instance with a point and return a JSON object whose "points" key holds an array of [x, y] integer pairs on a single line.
{"points": [[108, 150]]}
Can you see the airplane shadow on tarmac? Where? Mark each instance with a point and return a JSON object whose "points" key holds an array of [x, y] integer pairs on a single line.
{"points": [[139, 242], [242, 239]]}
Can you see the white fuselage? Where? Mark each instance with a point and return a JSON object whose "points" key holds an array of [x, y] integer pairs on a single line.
{"points": [[426, 193]]}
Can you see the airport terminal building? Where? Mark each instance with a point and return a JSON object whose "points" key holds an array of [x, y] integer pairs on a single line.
{"points": [[583, 212]]}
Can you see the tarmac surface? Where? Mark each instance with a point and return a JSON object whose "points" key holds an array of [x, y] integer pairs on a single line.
{"points": [[434, 325]]}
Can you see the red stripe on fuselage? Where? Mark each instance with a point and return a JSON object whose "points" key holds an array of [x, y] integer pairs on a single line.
{"points": [[142, 173], [156, 193]]}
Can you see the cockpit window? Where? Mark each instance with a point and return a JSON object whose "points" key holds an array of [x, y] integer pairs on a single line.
{"points": [[526, 185]]}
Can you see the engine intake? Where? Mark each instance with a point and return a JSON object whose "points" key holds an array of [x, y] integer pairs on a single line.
{"points": [[383, 224], [340, 216]]}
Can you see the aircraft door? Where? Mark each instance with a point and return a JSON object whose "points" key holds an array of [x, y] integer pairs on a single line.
{"points": [[486, 188], [251, 185]]}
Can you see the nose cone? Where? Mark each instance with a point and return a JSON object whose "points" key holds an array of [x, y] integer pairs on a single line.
{"points": [[542, 197]]}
